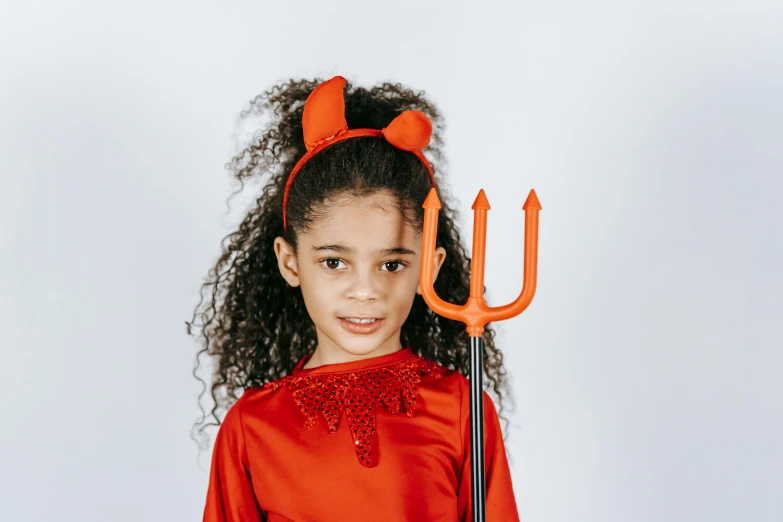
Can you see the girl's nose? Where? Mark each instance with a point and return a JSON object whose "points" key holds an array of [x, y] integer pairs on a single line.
{"points": [[364, 286]]}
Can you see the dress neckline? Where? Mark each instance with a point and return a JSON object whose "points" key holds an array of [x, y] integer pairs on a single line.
{"points": [[357, 389], [352, 366]]}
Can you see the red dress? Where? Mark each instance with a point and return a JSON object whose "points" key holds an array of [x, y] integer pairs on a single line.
{"points": [[381, 439]]}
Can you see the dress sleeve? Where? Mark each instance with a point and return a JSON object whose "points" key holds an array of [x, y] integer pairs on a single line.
{"points": [[500, 505], [230, 495]]}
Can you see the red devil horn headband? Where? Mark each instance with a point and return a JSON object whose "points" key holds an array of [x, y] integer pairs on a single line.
{"points": [[323, 124]]}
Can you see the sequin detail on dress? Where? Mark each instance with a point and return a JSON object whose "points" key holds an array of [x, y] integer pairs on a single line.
{"points": [[359, 393]]}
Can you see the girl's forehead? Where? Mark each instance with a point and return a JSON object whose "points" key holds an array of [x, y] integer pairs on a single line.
{"points": [[380, 200], [370, 211], [362, 227]]}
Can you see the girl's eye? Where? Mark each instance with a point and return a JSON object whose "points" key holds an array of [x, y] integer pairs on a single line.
{"points": [[332, 263], [394, 264]]}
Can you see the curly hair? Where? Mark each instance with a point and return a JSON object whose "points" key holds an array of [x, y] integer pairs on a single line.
{"points": [[256, 328]]}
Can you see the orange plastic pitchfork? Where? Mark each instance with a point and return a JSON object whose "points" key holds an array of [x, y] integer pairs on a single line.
{"points": [[475, 313]]}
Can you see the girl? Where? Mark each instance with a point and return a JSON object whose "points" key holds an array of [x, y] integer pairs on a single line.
{"points": [[346, 395]]}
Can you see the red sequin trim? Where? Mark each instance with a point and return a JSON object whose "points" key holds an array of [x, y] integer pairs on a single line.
{"points": [[359, 393]]}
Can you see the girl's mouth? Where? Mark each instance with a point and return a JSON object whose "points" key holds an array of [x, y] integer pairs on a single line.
{"points": [[363, 326]]}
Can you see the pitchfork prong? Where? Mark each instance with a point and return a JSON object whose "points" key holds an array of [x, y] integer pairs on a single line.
{"points": [[475, 313]]}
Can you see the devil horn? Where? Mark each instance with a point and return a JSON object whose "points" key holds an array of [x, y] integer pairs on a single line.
{"points": [[324, 112], [410, 130]]}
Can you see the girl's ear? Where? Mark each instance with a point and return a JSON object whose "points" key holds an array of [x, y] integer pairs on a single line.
{"points": [[286, 261], [440, 256]]}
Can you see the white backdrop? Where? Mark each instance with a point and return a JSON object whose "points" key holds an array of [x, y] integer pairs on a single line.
{"points": [[647, 369]]}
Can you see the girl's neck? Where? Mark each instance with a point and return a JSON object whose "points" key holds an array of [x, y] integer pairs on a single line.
{"points": [[335, 355]]}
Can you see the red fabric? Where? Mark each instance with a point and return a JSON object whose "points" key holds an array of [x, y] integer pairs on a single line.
{"points": [[267, 465], [411, 130], [323, 116]]}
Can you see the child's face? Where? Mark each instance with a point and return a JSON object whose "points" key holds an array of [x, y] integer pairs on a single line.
{"points": [[346, 268]]}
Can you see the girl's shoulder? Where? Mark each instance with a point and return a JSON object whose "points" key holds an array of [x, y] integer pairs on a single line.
{"points": [[457, 386], [445, 378], [253, 402], [258, 396]]}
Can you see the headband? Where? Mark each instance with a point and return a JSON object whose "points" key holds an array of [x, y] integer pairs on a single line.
{"points": [[323, 124]]}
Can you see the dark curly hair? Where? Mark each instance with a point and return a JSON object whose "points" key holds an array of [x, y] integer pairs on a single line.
{"points": [[256, 327]]}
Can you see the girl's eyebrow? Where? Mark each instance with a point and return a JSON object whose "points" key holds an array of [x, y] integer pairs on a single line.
{"points": [[396, 251]]}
